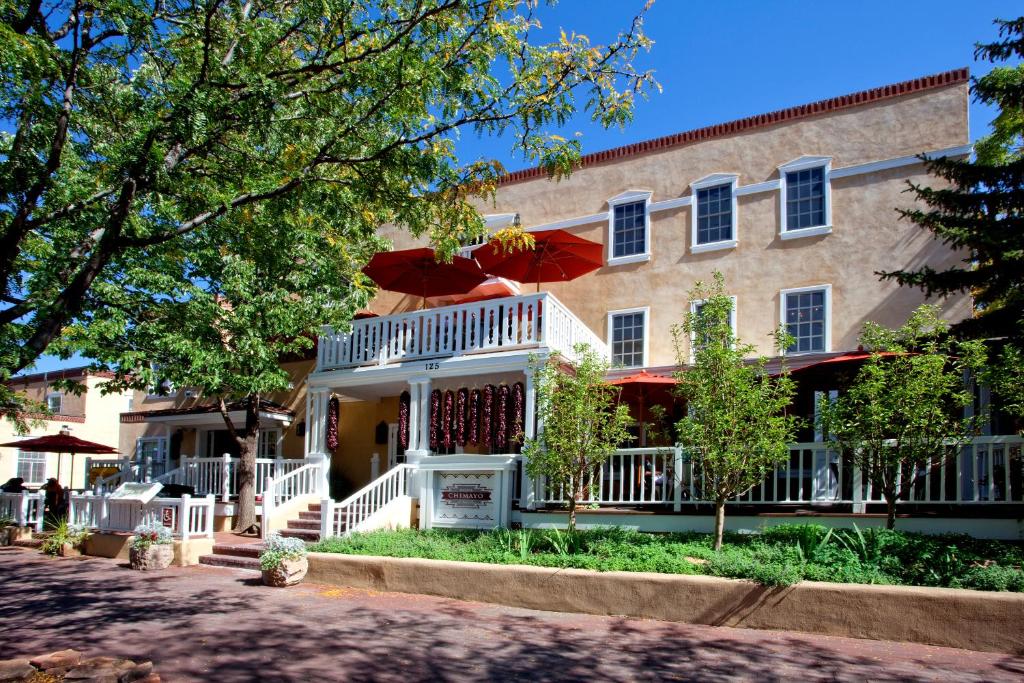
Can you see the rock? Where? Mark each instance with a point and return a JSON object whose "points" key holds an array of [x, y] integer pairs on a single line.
{"points": [[138, 672], [15, 669], [62, 659], [100, 669], [288, 573], [156, 556]]}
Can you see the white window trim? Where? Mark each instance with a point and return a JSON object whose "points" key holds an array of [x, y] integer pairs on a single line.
{"points": [[801, 164], [629, 197], [713, 180], [45, 460], [828, 315], [55, 394], [646, 310], [693, 337]]}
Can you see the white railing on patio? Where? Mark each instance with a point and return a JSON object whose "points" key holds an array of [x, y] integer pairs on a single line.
{"points": [[356, 512], [987, 470], [186, 517], [219, 475], [528, 320], [26, 508], [302, 481]]}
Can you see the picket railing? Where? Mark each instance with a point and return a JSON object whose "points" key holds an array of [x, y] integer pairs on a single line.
{"points": [[302, 481], [26, 509], [185, 517], [356, 512], [986, 470], [497, 324], [219, 475]]}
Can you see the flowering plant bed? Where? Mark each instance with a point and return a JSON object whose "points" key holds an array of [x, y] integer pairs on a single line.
{"points": [[781, 555], [283, 561], [151, 547]]}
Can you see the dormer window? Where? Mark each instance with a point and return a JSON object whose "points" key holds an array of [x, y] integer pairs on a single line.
{"points": [[629, 228], [805, 197], [55, 402]]}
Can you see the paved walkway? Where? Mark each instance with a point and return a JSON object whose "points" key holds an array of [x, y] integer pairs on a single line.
{"points": [[204, 623]]}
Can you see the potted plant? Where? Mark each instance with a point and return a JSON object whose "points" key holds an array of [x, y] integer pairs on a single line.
{"points": [[151, 547], [6, 522], [65, 540], [283, 561]]}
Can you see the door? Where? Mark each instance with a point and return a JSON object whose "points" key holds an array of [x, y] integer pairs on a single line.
{"points": [[396, 455]]}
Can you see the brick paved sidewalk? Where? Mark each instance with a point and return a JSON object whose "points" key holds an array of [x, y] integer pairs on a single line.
{"points": [[202, 623]]}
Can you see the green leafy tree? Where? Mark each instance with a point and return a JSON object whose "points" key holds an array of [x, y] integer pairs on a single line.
{"points": [[736, 429], [583, 425], [133, 123], [218, 311], [902, 416]]}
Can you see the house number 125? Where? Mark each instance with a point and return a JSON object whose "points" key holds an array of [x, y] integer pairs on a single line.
{"points": [[433, 366]]}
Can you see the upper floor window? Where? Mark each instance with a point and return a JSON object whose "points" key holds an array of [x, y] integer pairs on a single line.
{"points": [[629, 228], [697, 308], [714, 212], [805, 196], [806, 313], [627, 331], [55, 402]]}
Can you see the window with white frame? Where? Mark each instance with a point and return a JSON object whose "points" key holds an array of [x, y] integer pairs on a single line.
{"points": [[806, 314], [629, 238], [32, 467], [54, 402], [696, 307], [805, 197], [627, 332], [713, 207], [268, 443]]}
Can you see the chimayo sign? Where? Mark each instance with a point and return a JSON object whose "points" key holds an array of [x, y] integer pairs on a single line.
{"points": [[466, 491]]}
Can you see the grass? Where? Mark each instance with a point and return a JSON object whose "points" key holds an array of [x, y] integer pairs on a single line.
{"points": [[779, 556]]}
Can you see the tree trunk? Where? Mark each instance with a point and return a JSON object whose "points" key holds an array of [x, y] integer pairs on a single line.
{"points": [[247, 440], [572, 514], [719, 522], [890, 511]]}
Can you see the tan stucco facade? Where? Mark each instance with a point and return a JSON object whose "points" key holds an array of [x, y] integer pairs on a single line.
{"points": [[92, 416], [867, 233]]}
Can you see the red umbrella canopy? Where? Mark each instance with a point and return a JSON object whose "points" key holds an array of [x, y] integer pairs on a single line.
{"points": [[644, 388], [59, 443], [416, 271], [556, 256]]}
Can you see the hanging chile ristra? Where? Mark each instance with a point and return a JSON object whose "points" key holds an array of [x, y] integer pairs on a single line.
{"points": [[332, 423], [501, 412], [404, 403], [473, 426], [461, 401], [447, 420], [518, 418], [435, 417], [487, 419]]}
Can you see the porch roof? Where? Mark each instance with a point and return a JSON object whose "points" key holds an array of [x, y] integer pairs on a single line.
{"points": [[268, 409]]}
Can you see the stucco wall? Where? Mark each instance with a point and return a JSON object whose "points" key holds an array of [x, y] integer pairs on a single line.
{"points": [[867, 235]]}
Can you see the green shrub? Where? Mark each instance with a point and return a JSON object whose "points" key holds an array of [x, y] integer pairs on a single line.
{"points": [[64, 533], [994, 578], [149, 534], [278, 549]]}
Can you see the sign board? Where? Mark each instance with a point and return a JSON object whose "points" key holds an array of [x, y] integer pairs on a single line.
{"points": [[167, 517], [136, 491], [466, 499]]}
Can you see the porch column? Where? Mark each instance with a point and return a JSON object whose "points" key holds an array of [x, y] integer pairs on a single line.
{"points": [[528, 497], [419, 419], [414, 417], [316, 432]]}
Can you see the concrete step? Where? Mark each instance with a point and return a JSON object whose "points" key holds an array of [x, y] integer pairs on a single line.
{"points": [[28, 543], [314, 507], [310, 515], [233, 561], [238, 549], [307, 535], [304, 524]]}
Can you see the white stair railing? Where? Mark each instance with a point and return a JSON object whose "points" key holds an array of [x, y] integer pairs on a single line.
{"points": [[353, 513], [26, 509], [303, 481]]}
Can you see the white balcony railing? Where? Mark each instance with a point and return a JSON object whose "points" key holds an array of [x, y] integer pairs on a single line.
{"points": [[526, 321]]}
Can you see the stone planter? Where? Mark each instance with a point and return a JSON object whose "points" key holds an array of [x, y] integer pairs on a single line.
{"points": [[156, 556], [288, 573], [68, 550]]}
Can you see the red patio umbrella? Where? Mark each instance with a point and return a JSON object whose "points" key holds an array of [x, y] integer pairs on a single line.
{"points": [[491, 288], [60, 443], [645, 388], [417, 272], [556, 256]]}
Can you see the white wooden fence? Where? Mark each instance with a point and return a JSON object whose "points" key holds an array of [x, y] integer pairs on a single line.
{"points": [[356, 512], [987, 470], [26, 509], [186, 517], [306, 480]]}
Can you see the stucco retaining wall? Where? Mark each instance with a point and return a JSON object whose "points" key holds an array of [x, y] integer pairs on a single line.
{"points": [[937, 616]]}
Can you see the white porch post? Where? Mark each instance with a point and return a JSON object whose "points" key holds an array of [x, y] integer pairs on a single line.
{"points": [[316, 434], [225, 478], [859, 506], [414, 417], [419, 419], [528, 497]]}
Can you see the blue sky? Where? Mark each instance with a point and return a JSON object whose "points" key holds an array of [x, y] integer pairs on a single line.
{"points": [[723, 60]]}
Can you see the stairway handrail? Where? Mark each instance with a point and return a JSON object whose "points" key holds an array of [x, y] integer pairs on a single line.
{"points": [[328, 507]]}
